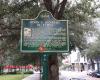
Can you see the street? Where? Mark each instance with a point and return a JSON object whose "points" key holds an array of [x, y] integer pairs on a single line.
{"points": [[66, 75]]}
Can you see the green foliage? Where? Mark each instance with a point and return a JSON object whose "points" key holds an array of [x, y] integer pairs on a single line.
{"points": [[28, 72], [10, 23], [94, 50], [79, 16]]}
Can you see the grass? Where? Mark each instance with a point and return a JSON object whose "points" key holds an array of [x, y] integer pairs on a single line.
{"points": [[13, 76]]}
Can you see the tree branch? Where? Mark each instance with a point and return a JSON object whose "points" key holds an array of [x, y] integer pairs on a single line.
{"points": [[58, 1], [62, 8], [56, 9], [48, 5]]}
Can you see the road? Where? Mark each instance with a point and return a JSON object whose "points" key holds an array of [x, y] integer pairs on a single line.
{"points": [[66, 75]]}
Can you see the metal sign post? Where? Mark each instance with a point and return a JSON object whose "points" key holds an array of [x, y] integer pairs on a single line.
{"points": [[44, 66]]}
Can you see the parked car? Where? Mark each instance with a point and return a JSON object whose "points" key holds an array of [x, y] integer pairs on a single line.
{"points": [[90, 72], [96, 74], [77, 79]]}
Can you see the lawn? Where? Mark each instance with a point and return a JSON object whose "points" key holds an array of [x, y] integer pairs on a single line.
{"points": [[13, 76]]}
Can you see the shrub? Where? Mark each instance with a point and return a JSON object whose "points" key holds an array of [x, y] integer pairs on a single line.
{"points": [[28, 72]]}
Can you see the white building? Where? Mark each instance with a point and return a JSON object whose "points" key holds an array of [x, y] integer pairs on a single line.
{"points": [[76, 61]]}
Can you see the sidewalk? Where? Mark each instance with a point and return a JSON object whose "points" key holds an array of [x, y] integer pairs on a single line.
{"points": [[35, 76]]}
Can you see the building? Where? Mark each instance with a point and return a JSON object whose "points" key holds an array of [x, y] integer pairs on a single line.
{"points": [[76, 61]]}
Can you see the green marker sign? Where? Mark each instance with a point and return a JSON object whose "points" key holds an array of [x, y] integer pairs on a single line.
{"points": [[44, 34]]}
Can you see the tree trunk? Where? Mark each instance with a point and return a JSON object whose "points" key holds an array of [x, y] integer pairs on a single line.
{"points": [[53, 67], [92, 64], [98, 65], [57, 12]]}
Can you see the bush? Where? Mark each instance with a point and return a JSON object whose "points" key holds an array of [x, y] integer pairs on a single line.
{"points": [[28, 72], [18, 72], [11, 72]]}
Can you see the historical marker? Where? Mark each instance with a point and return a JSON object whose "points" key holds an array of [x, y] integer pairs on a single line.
{"points": [[44, 34]]}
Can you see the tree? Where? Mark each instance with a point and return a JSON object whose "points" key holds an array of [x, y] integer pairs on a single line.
{"points": [[11, 14], [79, 16], [53, 8], [93, 53]]}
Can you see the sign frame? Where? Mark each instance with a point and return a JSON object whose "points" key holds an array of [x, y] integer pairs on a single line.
{"points": [[47, 51]]}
